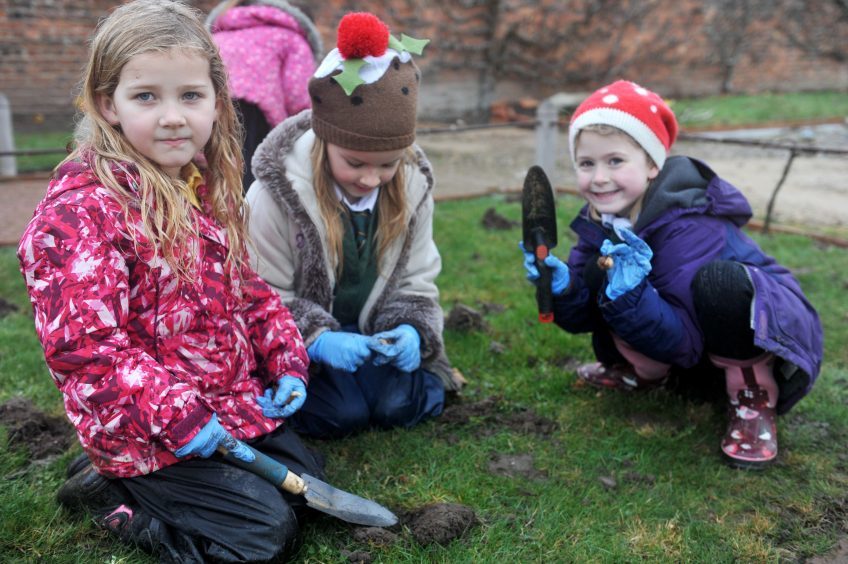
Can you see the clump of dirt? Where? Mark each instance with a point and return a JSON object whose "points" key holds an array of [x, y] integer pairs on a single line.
{"points": [[496, 348], [515, 466], [634, 477], [358, 556], [466, 319], [6, 308], [440, 523], [489, 308], [495, 221], [41, 434], [494, 414], [376, 536]]}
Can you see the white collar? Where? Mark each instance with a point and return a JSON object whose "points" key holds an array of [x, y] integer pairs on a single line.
{"points": [[364, 203], [617, 223]]}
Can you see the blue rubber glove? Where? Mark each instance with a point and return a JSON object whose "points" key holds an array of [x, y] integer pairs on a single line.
{"points": [[205, 443], [631, 263], [341, 350], [560, 276], [401, 346], [276, 405]]}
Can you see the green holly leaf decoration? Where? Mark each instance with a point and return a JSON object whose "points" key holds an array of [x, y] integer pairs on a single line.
{"points": [[349, 78], [414, 46], [407, 43]]}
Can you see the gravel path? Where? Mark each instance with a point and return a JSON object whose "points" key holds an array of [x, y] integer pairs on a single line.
{"points": [[814, 196]]}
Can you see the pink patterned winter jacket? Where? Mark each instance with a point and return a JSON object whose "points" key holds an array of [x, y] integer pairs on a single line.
{"points": [[143, 359], [270, 53]]}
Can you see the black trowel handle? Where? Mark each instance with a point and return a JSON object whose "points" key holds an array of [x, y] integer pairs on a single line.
{"points": [[544, 294]]}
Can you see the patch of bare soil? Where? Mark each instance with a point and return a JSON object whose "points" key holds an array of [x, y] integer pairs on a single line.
{"points": [[435, 523], [832, 516], [466, 319], [440, 523], [493, 414], [375, 536], [494, 221], [41, 434], [6, 308], [516, 466]]}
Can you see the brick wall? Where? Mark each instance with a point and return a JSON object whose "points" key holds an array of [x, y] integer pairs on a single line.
{"points": [[482, 50]]}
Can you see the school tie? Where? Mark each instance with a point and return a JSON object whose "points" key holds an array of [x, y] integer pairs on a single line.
{"points": [[360, 221]]}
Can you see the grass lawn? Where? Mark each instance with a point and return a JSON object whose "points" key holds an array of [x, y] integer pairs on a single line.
{"points": [[610, 477]]}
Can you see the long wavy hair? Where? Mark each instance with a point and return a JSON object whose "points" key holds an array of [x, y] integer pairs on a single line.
{"points": [[391, 205], [606, 131], [160, 26]]}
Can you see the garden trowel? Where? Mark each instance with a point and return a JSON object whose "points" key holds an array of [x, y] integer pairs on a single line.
{"points": [[318, 495], [538, 222]]}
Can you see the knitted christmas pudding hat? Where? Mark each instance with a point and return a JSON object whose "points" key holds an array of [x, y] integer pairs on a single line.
{"points": [[640, 113], [365, 91]]}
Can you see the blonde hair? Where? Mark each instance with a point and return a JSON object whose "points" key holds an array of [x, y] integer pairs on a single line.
{"points": [[391, 205], [606, 131], [159, 26]]}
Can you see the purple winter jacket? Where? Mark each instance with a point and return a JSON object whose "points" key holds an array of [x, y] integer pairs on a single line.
{"points": [[691, 217]]}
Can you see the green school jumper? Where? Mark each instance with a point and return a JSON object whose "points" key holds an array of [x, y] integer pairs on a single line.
{"points": [[359, 270]]}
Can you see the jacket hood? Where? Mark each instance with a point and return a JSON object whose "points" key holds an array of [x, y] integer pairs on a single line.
{"points": [[78, 173], [686, 185], [257, 13]]}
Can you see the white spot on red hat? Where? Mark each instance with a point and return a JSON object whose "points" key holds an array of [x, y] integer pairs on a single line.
{"points": [[653, 108], [641, 91], [610, 99]]}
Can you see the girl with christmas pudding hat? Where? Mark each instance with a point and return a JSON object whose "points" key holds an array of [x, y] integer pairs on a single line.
{"points": [[687, 293], [341, 219]]}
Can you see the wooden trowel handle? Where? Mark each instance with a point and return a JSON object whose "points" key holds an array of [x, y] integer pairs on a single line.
{"points": [[266, 467]]}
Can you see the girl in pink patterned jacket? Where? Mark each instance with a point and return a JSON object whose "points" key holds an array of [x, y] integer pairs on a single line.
{"points": [[270, 49], [162, 340]]}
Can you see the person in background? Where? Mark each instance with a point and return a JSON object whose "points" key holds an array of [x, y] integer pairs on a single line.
{"points": [[270, 49], [684, 287], [341, 218], [163, 341]]}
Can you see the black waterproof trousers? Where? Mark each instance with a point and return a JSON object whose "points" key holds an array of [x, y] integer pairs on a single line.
{"points": [[207, 510]]}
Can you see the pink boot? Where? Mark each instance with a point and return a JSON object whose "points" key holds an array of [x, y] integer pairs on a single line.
{"points": [[751, 437], [642, 373]]}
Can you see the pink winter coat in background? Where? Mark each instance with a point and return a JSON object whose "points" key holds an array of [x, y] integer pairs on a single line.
{"points": [[268, 58], [141, 357]]}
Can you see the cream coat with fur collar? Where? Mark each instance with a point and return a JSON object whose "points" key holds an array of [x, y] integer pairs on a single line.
{"points": [[291, 248]]}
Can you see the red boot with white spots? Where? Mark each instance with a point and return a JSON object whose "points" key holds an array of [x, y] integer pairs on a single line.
{"points": [[751, 438]]}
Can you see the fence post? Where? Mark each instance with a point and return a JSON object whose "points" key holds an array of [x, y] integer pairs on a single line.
{"points": [[547, 125], [8, 166]]}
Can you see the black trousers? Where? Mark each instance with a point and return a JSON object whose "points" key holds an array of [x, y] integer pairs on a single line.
{"points": [[256, 128], [722, 294], [207, 510]]}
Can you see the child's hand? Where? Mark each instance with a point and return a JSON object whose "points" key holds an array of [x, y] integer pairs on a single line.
{"points": [[341, 350], [560, 276], [205, 443], [401, 346], [631, 263], [289, 397]]}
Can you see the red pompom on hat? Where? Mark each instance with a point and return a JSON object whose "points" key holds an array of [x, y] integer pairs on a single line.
{"points": [[361, 34], [637, 111]]}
